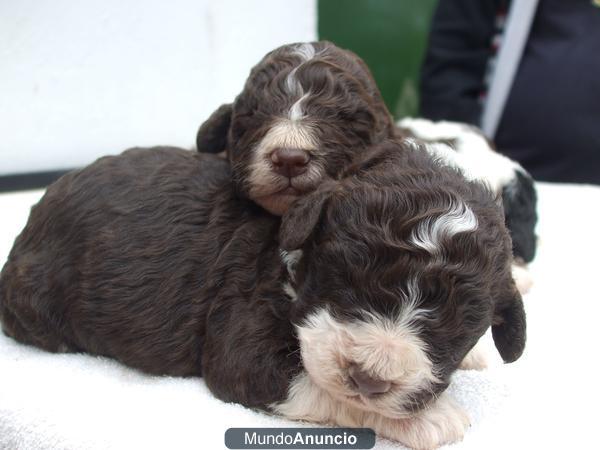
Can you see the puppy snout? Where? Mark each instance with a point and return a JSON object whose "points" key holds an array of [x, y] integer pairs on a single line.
{"points": [[290, 162], [365, 384]]}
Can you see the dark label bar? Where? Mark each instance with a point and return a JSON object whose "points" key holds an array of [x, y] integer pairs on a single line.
{"points": [[304, 438]]}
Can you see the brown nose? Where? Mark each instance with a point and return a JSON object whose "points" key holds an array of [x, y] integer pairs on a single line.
{"points": [[366, 384], [290, 162]]}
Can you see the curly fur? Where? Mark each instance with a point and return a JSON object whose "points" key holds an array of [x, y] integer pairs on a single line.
{"points": [[466, 147], [151, 258], [317, 89]]}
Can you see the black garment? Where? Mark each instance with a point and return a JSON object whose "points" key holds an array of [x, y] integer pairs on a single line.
{"points": [[460, 45], [551, 122]]}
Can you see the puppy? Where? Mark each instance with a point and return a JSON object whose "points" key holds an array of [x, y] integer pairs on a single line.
{"points": [[354, 309], [305, 111]]}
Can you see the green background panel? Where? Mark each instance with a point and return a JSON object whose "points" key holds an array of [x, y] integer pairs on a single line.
{"points": [[390, 35]]}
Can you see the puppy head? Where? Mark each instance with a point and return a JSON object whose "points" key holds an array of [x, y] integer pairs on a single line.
{"points": [[394, 287], [305, 111]]}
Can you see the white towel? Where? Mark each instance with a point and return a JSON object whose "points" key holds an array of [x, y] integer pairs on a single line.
{"points": [[547, 399]]}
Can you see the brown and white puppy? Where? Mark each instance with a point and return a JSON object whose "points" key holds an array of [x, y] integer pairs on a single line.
{"points": [[305, 112], [445, 252], [357, 314]]}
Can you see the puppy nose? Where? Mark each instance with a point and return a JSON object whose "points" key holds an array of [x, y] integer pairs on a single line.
{"points": [[366, 384], [290, 162]]}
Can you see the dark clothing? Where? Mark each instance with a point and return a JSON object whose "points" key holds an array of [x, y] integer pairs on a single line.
{"points": [[460, 46], [551, 121]]}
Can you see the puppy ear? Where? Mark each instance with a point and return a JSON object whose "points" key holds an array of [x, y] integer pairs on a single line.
{"points": [[509, 327], [519, 198], [301, 219], [212, 134]]}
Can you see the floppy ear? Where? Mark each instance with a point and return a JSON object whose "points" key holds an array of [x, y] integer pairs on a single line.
{"points": [[301, 219], [519, 198], [508, 326], [212, 135]]}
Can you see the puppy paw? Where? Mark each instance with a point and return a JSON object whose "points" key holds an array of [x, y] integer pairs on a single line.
{"points": [[476, 359], [443, 423], [523, 278]]}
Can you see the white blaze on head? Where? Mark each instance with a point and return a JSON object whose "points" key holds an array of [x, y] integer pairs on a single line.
{"points": [[296, 112], [292, 85], [431, 232], [305, 52]]}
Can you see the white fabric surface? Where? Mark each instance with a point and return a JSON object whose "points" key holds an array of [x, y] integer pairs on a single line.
{"points": [[547, 399], [80, 79]]}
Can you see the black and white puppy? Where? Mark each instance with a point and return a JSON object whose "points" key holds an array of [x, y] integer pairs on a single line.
{"points": [[357, 313], [305, 112], [466, 147]]}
